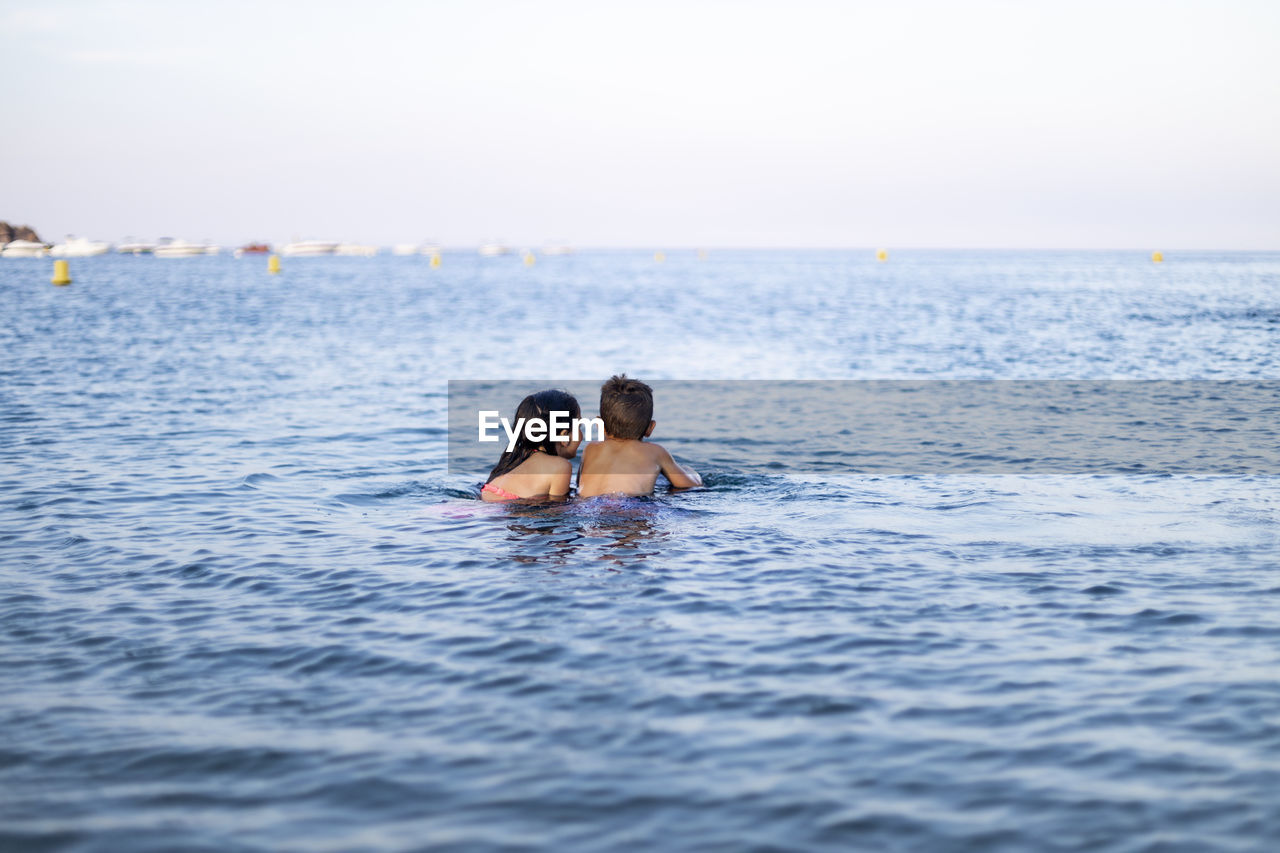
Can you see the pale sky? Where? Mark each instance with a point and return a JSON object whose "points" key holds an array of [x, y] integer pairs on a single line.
{"points": [[648, 124]]}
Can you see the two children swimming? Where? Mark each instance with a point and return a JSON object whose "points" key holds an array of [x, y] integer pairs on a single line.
{"points": [[623, 464]]}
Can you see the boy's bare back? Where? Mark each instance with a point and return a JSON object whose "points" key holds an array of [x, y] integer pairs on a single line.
{"points": [[623, 464], [628, 466]]}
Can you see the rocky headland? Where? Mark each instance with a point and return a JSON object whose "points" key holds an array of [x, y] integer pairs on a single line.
{"points": [[9, 233]]}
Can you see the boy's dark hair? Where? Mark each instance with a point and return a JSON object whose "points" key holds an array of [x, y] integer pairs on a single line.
{"points": [[626, 407]]}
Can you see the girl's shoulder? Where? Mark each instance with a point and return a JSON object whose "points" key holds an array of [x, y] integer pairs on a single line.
{"points": [[543, 463], [552, 464]]}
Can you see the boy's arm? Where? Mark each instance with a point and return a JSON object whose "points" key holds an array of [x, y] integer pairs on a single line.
{"points": [[679, 476]]}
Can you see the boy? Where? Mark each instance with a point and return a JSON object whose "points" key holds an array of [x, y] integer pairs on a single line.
{"points": [[623, 463]]}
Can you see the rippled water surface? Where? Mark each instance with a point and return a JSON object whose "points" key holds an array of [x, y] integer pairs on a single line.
{"points": [[244, 605]]}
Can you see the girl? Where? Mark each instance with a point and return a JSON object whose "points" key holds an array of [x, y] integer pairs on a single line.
{"points": [[535, 469]]}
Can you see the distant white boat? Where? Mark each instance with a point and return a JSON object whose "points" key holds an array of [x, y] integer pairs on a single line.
{"points": [[405, 249], [308, 248], [355, 250], [134, 247], [79, 247], [212, 250], [180, 249], [490, 250], [24, 249]]}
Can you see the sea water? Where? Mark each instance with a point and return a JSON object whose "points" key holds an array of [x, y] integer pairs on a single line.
{"points": [[246, 605]]}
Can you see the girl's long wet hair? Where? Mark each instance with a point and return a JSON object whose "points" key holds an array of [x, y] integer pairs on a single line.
{"points": [[535, 407]]}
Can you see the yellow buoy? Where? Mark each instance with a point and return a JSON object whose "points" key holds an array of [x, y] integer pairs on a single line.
{"points": [[882, 255], [1158, 257], [702, 254], [435, 261], [61, 272], [659, 256], [530, 259], [273, 264]]}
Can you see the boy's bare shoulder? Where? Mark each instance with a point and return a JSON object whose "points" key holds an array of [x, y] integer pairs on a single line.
{"points": [[646, 448], [589, 454], [657, 451]]}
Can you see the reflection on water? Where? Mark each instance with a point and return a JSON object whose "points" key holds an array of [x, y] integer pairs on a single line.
{"points": [[539, 535], [625, 531]]}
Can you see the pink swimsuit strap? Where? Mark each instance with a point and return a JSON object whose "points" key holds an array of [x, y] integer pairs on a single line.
{"points": [[500, 492]]}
